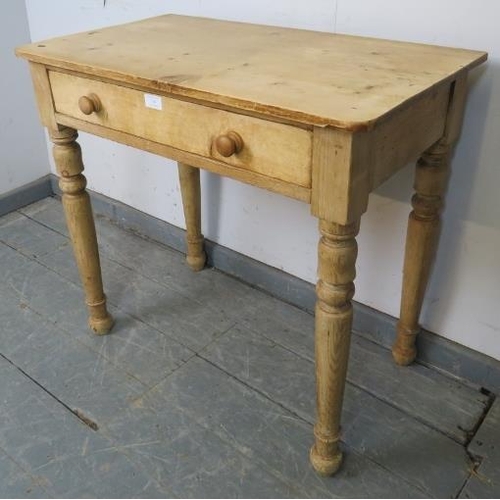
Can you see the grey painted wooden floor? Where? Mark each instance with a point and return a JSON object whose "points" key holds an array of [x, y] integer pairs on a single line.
{"points": [[205, 388]]}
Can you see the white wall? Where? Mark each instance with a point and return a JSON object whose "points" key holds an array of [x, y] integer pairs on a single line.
{"points": [[23, 155], [463, 300]]}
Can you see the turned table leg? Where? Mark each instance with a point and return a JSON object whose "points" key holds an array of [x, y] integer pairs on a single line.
{"points": [[189, 178], [78, 212], [421, 243], [337, 254]]}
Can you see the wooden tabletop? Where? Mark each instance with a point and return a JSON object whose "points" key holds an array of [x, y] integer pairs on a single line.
{"points": [[305, 76]]}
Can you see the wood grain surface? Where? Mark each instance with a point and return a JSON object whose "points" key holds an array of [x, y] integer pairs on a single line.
{"points": [[266, 69], [274, 149]]}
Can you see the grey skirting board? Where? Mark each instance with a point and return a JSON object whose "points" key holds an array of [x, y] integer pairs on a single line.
{"points": [[24, 195]]}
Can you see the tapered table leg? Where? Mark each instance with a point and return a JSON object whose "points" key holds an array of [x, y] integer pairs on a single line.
{"points": [[189, 178], [337, 254], [78, 212], [421, 243]]}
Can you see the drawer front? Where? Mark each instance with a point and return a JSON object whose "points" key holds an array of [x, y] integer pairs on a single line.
{"points": [[268, 148]]}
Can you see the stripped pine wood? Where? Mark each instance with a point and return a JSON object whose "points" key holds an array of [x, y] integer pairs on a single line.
{"points": [[43, 92], [189, 180], [265, 68], [269, 148], [320, 117], [337, 254], [340, 176], [424, 225], [76, 202], [211, 164]]}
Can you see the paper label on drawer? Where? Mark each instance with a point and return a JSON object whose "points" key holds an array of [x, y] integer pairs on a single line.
{"points": [[152, 101]]}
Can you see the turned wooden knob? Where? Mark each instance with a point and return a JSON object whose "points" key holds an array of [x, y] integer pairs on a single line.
{"points": [[229, 144], [89, 104]]}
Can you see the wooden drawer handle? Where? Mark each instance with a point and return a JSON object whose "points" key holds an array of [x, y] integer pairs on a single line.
{"points": [[89, 104], [229, 144]]}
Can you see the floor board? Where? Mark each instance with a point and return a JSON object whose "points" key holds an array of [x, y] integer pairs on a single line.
{"points": [[485, 482], [205, 387]]}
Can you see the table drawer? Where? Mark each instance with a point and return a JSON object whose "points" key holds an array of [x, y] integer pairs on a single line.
{"points": [[272, 149]]}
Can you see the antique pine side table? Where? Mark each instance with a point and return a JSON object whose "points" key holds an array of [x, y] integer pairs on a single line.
{"points": [[318, 117]]}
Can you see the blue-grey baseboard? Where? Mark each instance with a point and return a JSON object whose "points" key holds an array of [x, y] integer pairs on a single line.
{"points": [[26, 194], [434, 350]]}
